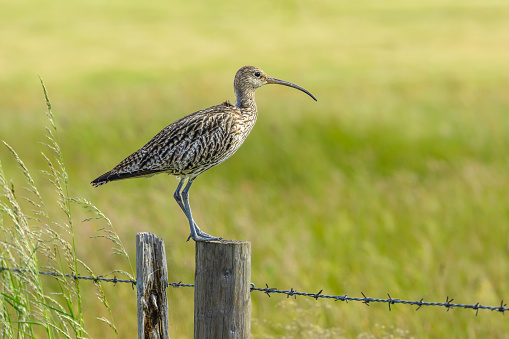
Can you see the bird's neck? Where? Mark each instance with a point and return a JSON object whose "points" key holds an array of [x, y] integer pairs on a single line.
{"points": [[246, 100], [247, 105]]}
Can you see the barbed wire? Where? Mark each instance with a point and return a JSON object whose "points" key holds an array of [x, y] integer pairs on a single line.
{"points": [[390, 301], [114, 280], [289, 293]]}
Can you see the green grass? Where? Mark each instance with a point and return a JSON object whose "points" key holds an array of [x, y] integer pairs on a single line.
{"points": [[35, 237], [394, 181]]}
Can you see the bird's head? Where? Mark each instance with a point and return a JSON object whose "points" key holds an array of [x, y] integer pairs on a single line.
{"points": [[249, 78]]}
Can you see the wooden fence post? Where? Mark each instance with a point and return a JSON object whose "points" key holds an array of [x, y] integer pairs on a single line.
{"points": [[151, 284], [222, 300]]}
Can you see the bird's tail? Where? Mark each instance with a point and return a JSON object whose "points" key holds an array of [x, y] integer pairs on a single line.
{"points": [[103, 179], [113, 175]]}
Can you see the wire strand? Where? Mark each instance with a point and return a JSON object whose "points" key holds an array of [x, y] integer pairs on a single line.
{"points": [[293, 293]]}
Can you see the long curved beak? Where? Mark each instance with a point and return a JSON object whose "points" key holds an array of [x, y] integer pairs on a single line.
{"points": [[289, 84]]}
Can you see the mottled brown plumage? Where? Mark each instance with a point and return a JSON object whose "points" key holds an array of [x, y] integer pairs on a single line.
{"points": [[201, 140]]}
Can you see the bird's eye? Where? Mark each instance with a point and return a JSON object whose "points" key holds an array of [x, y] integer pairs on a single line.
{"points": [[257, 74]]}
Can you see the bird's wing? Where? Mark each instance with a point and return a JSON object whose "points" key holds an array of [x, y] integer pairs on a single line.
{"points": [[184, 144]]}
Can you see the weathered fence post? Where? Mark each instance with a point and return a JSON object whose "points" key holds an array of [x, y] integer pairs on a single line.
{"points": [[151, 283], [222, 300]]}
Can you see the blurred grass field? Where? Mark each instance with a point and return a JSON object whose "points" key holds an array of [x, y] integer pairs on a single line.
{"points": [[395, 181]]}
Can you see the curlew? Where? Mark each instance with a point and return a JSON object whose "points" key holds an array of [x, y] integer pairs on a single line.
{"points": [[201, 140]]}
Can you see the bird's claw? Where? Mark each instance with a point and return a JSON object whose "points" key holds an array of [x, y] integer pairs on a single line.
{"points": [[203, 237], [208, 239]]}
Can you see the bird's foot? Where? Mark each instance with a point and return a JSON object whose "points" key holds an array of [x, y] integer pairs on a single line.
{"points": [[198, 235], [203, 237]]}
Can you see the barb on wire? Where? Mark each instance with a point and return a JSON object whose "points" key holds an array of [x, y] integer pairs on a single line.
{"points": [[180, 284], [292, 292]]}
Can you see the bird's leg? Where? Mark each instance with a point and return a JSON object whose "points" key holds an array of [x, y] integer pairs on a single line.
{"points": [[180, 202], [178, 197], [194, 228], [202, 236]]}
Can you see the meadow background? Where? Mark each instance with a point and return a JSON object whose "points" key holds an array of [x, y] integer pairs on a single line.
{"points": [[395, 181]]}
